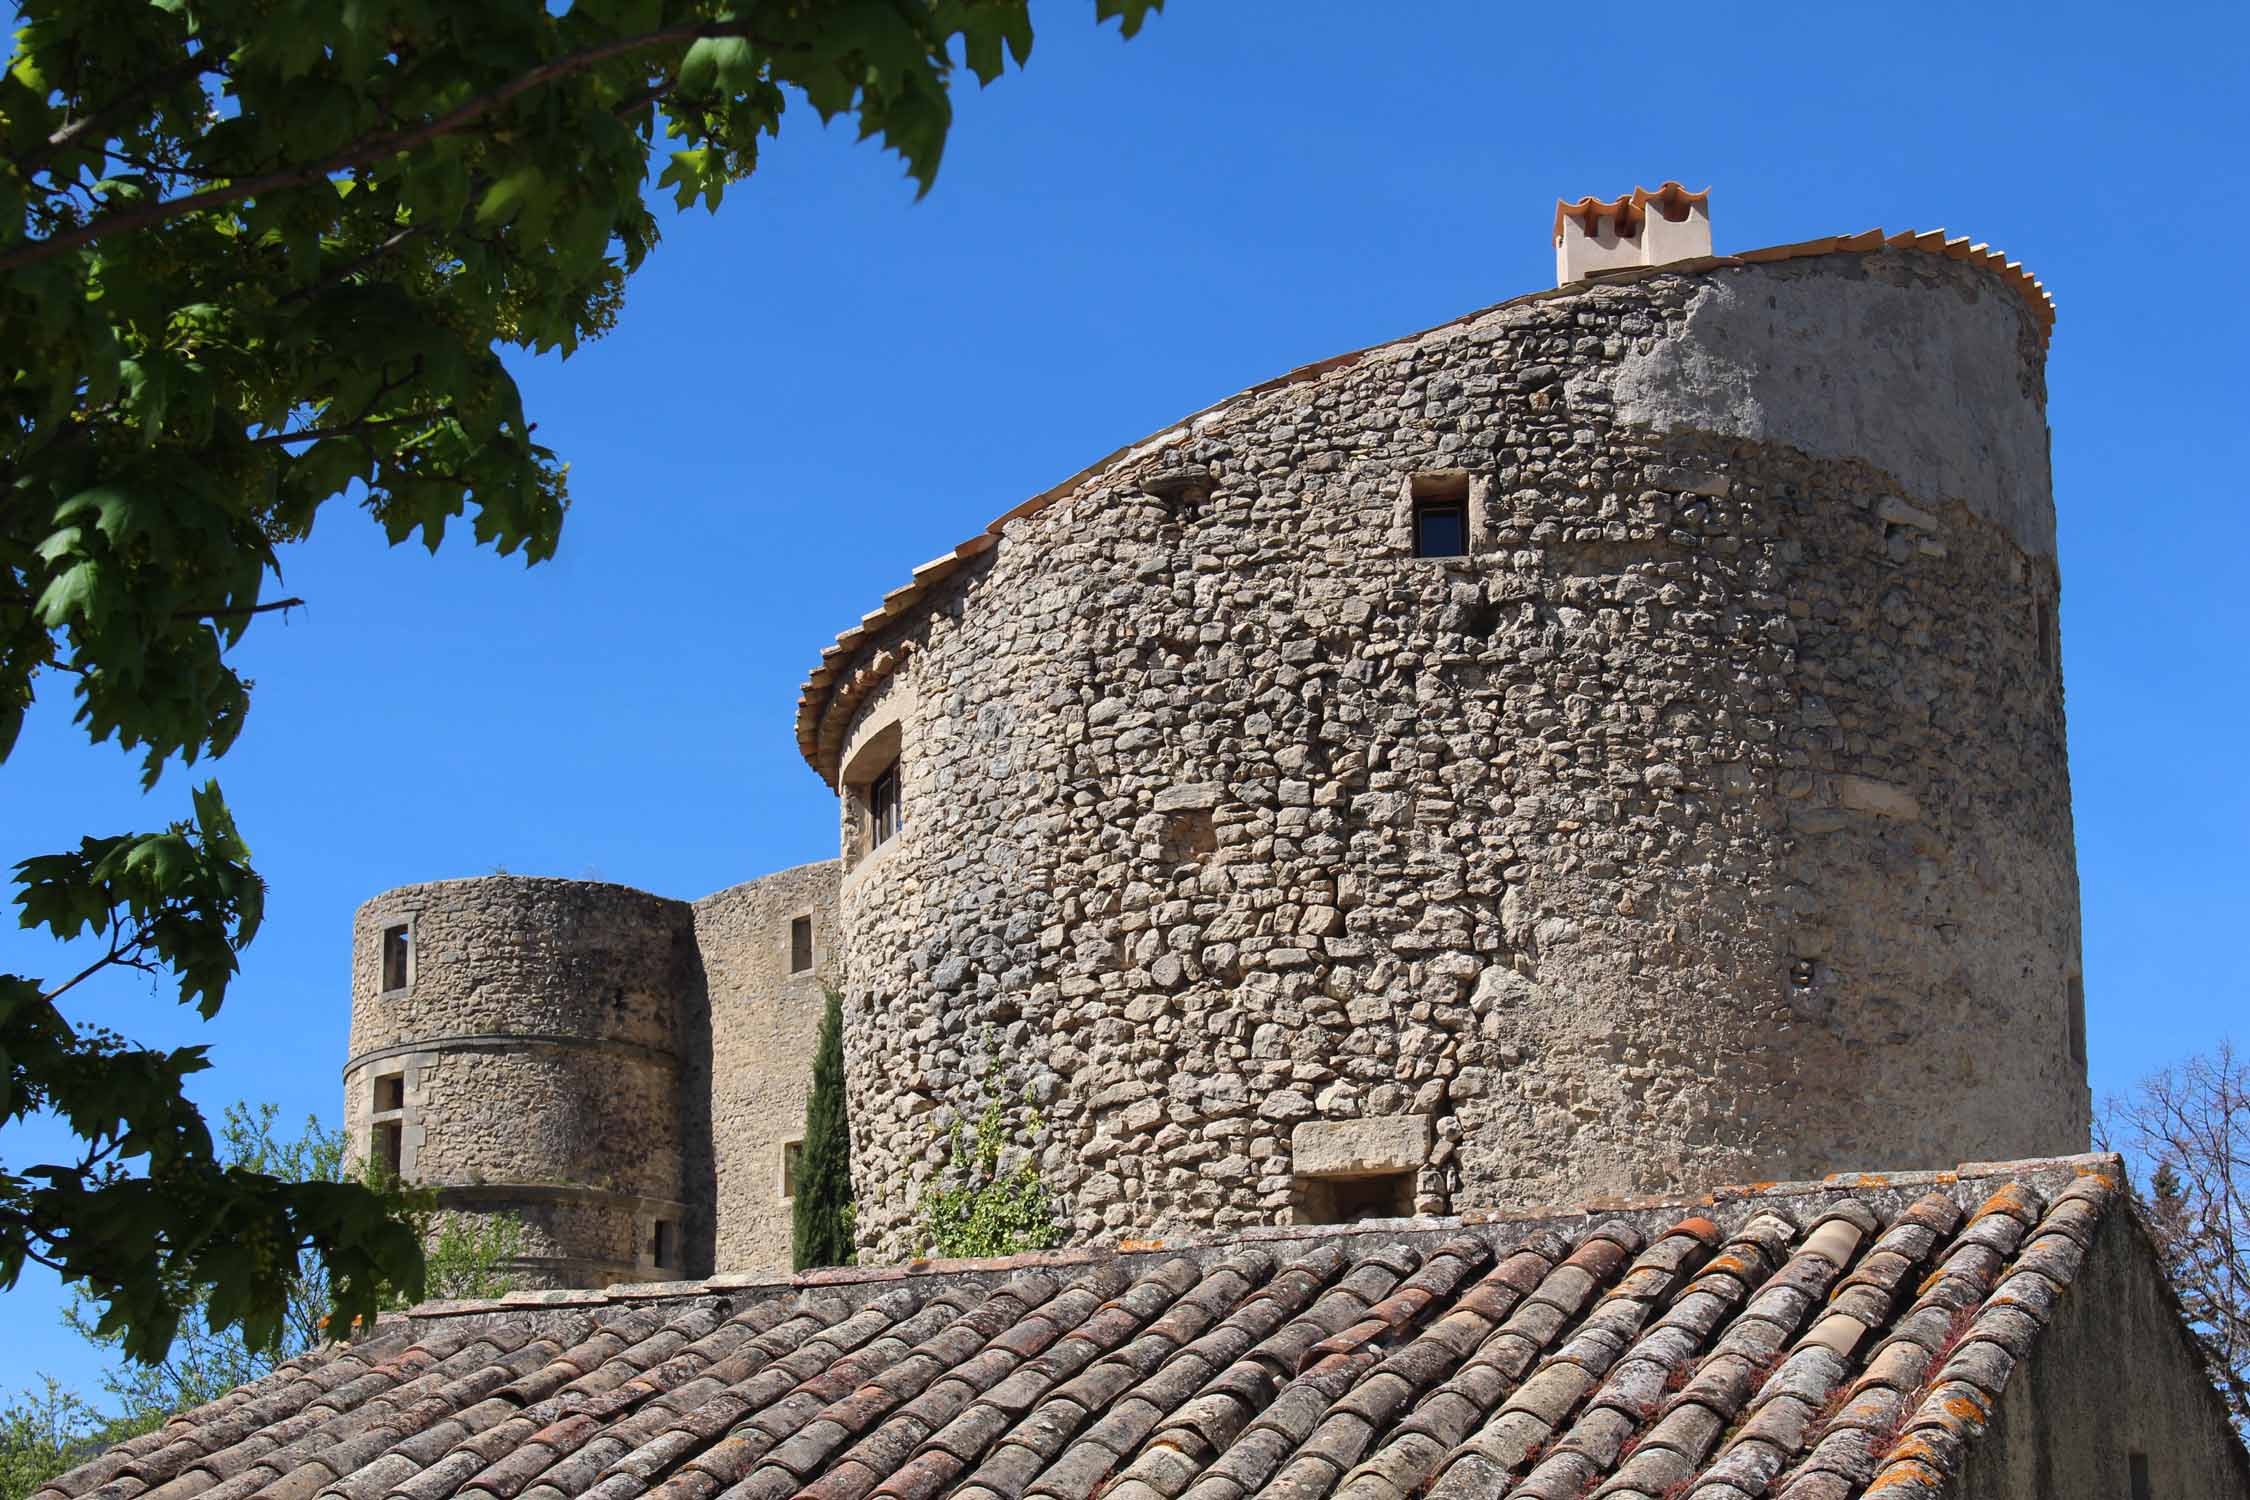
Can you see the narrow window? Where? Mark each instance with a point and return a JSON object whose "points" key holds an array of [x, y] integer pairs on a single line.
{"points": [[2137, 1469], [398, 957], [388, 1148], [792, 1153], [2075, 1001], [1441, 528], [884, 815], [1348, 1200], [390, 1093], [800, 945], [661, 1249]]}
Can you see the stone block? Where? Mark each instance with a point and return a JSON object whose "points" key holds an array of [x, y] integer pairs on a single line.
{"points": [[1865, 794], [1339, 1148]]}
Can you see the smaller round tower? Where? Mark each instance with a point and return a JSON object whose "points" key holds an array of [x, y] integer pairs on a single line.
{"points": [[518, 1044]]}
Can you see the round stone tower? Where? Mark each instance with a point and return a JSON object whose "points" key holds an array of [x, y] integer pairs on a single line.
{"points": [[519, 1043], [1610, 744]]}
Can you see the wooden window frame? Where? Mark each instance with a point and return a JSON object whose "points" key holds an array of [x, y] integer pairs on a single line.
{"points": [[886, 812], [397, 940], [1427, 507]]}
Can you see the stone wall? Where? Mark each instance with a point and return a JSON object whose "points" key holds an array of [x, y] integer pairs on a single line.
{"points": [[1710, 821], [2113, 1403], [532, 1063], [765, 1020]]}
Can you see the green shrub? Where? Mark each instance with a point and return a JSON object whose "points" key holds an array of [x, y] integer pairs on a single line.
{"points": [[976, 1208]]}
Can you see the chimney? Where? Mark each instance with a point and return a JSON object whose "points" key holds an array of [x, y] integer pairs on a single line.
{"points": [[1639, 229]]}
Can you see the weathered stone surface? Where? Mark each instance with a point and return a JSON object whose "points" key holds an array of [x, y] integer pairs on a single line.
{"points": [[1337, 1148], [594, 1060], [1708, 821]]}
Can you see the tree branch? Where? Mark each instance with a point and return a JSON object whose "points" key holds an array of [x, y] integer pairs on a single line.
{"points": [[292, 602], [101, 118], [364, 151]]}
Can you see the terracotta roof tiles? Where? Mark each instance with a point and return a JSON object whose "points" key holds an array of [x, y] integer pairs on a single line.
{"points": [[1829, 1341]]}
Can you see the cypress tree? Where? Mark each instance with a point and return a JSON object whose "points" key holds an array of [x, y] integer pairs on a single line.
{"points": [[821, 1219]]}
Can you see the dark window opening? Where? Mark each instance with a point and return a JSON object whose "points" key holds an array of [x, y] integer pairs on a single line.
{"points": [[398, 955], [1441, 528], [792, 1155], [800, 945], [2075, 1001], [390, 1092], [2137, 1469], [387, 1148], [884, 815], [1348, 1200], [661, 1249]]}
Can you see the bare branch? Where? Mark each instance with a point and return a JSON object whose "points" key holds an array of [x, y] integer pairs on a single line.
{"points": [[2188, 1130], [292, 602]]}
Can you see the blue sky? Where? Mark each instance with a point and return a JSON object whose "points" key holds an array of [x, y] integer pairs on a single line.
{"points": [[828, 383]]}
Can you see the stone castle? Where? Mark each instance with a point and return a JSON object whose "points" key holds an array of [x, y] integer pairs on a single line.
{"points": [[1607, 745]]}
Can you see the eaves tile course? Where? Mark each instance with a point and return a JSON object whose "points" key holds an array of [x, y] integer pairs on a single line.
{"points": [[1807, 1341]]}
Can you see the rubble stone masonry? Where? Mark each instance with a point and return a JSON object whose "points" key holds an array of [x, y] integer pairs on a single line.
{"points": [[550, 1055], [1708, 821]]}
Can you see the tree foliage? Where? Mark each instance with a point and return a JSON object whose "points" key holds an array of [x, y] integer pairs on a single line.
{"points": [[465, 1257], [988, 1199], [2186, 1132], [48, 1429], [257, 255], [822, 1214]]}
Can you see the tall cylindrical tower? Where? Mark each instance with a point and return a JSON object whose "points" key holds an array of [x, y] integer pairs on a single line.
{"points": [[518, 1042], [1612, 743]]}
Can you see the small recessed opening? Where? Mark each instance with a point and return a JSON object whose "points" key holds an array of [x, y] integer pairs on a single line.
{"points": [[1192, 834], [662, 1247], [1441, 513], [792, 1155], [2136, 1467], [885, 815], [800, 945], [387, 1148], [1348, 1200], [390, 1092], [398, 956], [2075, 1003]]}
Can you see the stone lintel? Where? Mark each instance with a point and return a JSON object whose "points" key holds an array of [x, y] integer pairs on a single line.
{"points": [[1351, 1148]]}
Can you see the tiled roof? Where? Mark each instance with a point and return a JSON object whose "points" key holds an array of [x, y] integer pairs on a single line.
{"points": [[840, 680], [1807, 1341]]}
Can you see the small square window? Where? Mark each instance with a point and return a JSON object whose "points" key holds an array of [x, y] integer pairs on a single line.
{"points": [[884, 815], [792, 1155], [390, 1093], [1441, 528], [800, 945], [398, 957], [387, 1148], [662, 1247]]}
